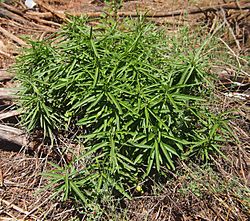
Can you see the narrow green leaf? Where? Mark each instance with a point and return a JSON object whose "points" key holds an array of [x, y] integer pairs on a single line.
{"points": [[140, 145], [115, 102], [77, 191], [150, 163], [94, 149], [166, 154], [96, 76], [157, 156]]}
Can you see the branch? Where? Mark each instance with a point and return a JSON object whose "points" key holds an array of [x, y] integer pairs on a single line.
{"points": [[14, 135], [195, 10], [8, 93], [17, 208], [19, 16], [51, 10], [12, 37], [5, 76], [11, 8], [12, 16], [9, 114]]}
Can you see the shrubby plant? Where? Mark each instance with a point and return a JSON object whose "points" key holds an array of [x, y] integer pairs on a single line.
{"points": [[134, 96]]}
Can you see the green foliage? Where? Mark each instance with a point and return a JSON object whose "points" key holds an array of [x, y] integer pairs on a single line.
{"points": [[134, 96], [80, 184], [115, 4]]}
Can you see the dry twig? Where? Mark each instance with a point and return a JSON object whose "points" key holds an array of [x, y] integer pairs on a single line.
{"points": [[12, 37], [12, 16], [14, 135], [5, 54], [50, 9], [195, 10], [17, 208], [9, 114], [4, 76], [7, 94], [11, 8]]}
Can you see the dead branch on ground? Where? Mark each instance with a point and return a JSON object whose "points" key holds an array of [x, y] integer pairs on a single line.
{"points": [[8, 94], [14, 135], [5, 76], [9, 114], [12, 37], [194, 10]]}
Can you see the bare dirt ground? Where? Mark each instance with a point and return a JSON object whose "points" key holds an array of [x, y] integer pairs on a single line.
{"points": [[20, 180]]}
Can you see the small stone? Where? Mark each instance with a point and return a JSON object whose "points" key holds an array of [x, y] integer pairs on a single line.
{"points": [[30, 4]]}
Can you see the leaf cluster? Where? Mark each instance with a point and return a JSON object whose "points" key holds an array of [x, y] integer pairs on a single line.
{"points": [[135, 96]]}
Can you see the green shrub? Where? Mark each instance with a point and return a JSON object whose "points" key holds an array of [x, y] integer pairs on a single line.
{"points": [[135, 97]]}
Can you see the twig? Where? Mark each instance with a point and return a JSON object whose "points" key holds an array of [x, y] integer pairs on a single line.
{"points": [[50, 9], [11, 36], [17, 208], [6, 218], [44, 28], [195, 10], [9, 114], [1, 178], [240, 162], [230, 29], [7, 93], [39, 20], [232, 51], [13, 218], [171, 13], [14, 135], [11, 8], [8, 183], [42, 203], [22, 19], [44, 15], [5, 54], [12, 16], [4, 76]]}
